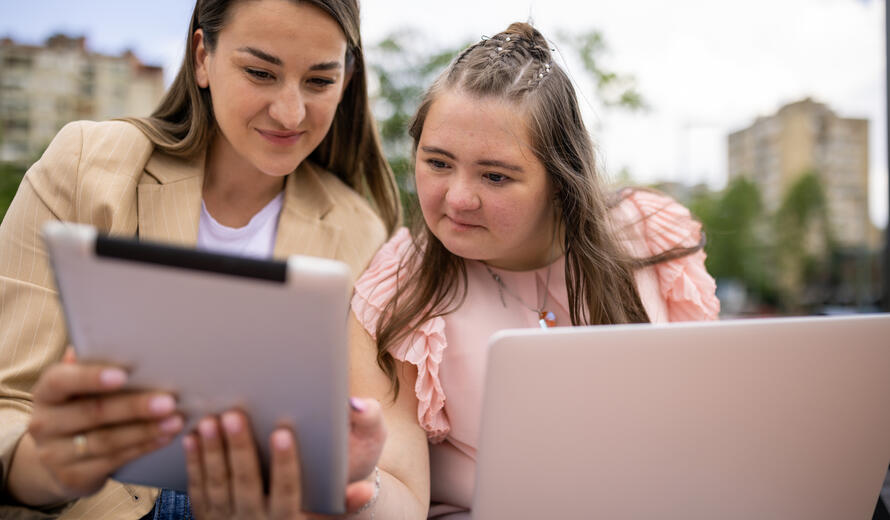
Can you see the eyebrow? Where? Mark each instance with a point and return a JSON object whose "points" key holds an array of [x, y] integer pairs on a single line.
{"points": [[274, 60], [485, 162], [261, 55]]}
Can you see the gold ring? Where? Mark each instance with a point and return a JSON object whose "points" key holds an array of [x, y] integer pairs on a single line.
{"points": [[80, 445]]}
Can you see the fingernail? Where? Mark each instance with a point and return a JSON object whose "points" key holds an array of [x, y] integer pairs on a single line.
{"points": [[207, 427], [163, 441], [161, 404], [112, 377], [171, 424], [357, 404], [188, 443], [281, 439], [231, 422]]}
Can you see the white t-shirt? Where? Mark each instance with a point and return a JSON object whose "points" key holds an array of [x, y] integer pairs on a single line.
{"points": [[255, 240]]}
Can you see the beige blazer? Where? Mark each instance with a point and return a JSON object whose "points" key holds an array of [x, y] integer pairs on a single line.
{"points": [[109, 175]]}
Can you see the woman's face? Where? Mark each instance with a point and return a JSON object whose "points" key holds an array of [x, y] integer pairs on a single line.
{"points": [[482, 191], [275, 77]]}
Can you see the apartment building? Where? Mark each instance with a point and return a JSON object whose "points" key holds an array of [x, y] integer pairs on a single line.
{"points": [[43, 87], [808, 136]]}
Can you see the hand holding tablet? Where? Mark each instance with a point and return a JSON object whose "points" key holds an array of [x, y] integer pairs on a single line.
{"points": [[219, 332]]}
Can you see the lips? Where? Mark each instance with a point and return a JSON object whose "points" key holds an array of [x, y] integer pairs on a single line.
{"points": [[461, 224], [279, 137]]}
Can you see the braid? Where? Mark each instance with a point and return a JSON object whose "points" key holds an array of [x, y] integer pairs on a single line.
{"points": [[510, 63]]}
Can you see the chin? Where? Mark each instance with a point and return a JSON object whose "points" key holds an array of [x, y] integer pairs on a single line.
{"points": [[279, 168], [463, 250]]}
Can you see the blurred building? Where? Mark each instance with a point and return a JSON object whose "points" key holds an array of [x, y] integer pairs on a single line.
{"points": [[808, 136], [44, 87]]}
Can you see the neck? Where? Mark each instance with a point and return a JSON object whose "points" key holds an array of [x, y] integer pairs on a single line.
{"points": [[234, 190]]}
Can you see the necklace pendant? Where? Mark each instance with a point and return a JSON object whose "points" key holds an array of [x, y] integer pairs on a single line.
{"points": [[546, 319]]}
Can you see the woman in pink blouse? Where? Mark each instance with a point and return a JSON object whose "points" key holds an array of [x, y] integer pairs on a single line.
{"points": [[517, 231]]}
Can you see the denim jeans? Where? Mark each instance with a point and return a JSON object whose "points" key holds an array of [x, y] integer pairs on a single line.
{"points": [[170, 505]]}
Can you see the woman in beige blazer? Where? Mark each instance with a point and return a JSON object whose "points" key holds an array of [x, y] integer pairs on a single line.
{"points": [[271, 98]]}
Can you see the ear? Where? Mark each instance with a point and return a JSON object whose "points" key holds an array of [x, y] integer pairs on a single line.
{"points": [[202, 56]]}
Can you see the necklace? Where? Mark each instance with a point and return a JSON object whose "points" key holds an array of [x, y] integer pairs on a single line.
{"points": [[546, 319]]}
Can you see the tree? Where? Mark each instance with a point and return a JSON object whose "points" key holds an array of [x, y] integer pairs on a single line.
{"points": [[738, 246], [612, 89], [403, 69], [803, 242]]}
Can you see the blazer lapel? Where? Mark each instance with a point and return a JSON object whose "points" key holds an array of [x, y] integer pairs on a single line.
{"points": [[302, 229], [170, 210]]}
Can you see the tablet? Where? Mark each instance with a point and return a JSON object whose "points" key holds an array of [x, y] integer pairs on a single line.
{"points": [[219, 331], [769, 418]]}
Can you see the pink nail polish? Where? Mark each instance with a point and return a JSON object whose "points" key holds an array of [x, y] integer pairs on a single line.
{"points": [[188, 443], [231, 422], [162, 404], [357, 404], [207, 427], [281, 439], [112, 377], [171, 424]]}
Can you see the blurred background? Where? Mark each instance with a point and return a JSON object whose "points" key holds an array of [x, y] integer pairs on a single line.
{"points": [[766, 117]]}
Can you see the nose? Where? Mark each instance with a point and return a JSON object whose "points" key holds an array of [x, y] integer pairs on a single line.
{"points": [[462, 195], [289, 107]]}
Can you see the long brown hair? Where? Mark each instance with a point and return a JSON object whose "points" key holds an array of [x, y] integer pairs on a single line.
{"points": [[183, 124], [516, 65]]}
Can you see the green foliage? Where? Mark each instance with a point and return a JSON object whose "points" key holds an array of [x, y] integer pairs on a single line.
{"points": [[803, 239], [612, 88], [10, 178], [736, 246], [783, 258], [403, 70]]}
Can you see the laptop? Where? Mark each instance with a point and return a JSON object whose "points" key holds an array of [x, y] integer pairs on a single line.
{"points": [[747, 419]]}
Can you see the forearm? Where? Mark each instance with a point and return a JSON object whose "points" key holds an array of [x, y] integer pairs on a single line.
{"points": [[29, 482]]}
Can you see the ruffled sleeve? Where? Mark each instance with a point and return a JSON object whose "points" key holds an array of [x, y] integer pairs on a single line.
{"points": [[654, 223], [423, 348]]}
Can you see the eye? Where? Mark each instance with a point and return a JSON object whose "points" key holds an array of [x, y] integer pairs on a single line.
{"points": [[496, 178], [321, 82], [436, 164], [259, 74]]}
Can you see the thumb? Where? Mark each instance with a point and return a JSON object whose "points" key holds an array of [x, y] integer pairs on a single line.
{"points": [[366, 437], [69, 356]]}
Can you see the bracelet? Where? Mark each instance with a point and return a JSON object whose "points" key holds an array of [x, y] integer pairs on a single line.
{"points": [[370, 503]]}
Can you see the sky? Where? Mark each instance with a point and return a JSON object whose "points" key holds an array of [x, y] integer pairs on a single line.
{"points": [[705, 67]]}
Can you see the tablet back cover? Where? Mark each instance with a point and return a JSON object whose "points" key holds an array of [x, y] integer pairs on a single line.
{"points": [[277, 350]]}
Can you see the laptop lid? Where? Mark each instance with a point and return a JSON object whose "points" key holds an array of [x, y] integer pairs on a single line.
{"points": [[768, 418]]}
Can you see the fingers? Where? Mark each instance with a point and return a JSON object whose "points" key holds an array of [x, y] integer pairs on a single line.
{"points": [[89, 475], [109, 442], [244, 465], [193, 466], [215, 470], [366, 437], [358, 494], [69, 356], [62, 381], [284, 492], [85, 426], [88, 413]]}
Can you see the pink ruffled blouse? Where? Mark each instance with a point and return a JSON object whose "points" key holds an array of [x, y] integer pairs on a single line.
{"points": [[449, 352]]}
